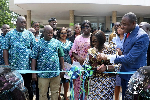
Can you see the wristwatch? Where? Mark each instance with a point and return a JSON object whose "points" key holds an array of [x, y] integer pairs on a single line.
{"points": [[106, 67]]}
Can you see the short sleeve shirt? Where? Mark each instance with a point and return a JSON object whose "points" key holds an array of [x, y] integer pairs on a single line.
{"points": [[1, 50], [80, 46], [47, 55], [19, 45], [66, 48]]}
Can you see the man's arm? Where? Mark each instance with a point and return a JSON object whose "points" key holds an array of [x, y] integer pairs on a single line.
{"points": [[138, 48], [33, 64], [6, 47], [34, 55], [5, 55], [79, 59]]}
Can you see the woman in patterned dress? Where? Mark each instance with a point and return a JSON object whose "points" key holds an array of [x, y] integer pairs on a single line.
{"points": [[79, 51], [66, 45], [101, 86]]}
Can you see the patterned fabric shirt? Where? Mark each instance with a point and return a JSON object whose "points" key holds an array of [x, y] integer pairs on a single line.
{"points": [[94, 55], [19, 45], [1, 50], [47, 54], [66, 48]]}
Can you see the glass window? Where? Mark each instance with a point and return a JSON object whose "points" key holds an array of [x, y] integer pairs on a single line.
{"points": [[119, 19], [94, 25], [102, 26], [91, 19], [146, 20]]}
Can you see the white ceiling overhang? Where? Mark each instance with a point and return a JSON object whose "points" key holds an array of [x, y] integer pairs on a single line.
{"points": [[42, 10]]}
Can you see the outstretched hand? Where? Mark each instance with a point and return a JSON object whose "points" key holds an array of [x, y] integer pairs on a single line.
{"points": [[34, 77], [81, 60], [119, 51], [101, 68], [101, 57]]}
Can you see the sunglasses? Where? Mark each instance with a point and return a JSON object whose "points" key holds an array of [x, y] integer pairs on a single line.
{"points": [[54, 23], [63, 33]]}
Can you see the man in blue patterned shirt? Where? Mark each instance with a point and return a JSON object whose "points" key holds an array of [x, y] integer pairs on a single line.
{"points": [[48, 55], [19, 43], [5, 29]]}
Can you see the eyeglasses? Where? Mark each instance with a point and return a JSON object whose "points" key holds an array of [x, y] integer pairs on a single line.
{"points": [[85, 26], [118, 25], [63, 33], [34, 32]]}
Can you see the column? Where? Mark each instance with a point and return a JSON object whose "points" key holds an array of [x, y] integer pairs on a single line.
{"points": [[107, 23], [71, 24], [28, 19], [114, 19]]}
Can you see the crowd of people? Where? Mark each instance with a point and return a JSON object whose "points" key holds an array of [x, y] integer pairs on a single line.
{"points": [[23, 49]]}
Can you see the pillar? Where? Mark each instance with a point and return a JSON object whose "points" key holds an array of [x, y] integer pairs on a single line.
{"points": [[28, 19], [71, 24], [114, 19], [107, 23]]}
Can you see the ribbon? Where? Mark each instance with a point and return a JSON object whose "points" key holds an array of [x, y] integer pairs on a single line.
{"points": [[74, 73], [33, 71]]}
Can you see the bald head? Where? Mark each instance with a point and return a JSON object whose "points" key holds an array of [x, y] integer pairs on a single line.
{"points": [[47, 27], [145, 26], [48, 32], [4, 25], [5, 29], [21, 23], [20, 18], [32, 30]]}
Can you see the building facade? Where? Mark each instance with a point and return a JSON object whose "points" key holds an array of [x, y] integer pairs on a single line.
{"points": [[101, 13]]}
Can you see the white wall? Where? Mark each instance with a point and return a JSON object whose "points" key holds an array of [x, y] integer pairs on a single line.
{"points": [[122, 2]]}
